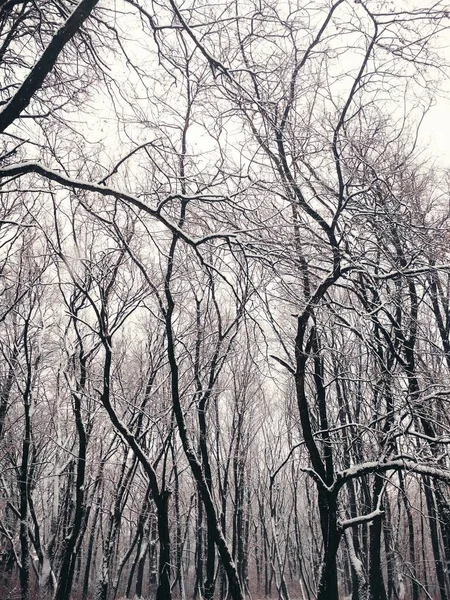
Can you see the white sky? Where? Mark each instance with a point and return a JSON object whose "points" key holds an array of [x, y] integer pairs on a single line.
{"points": [[435, 134]]}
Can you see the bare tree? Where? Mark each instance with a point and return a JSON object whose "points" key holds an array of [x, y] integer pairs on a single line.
{"points": [[225, 287]]}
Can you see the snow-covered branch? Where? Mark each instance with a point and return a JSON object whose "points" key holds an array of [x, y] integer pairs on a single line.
{"points": [[343, 525], [392, 465], [33, 82], [20, 169]]}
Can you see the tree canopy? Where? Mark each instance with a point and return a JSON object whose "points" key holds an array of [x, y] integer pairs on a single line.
{"points": [[225, 301]]}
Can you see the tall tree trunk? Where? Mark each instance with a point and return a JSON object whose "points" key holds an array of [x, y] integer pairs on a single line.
{"points": [[160, 497], [90, 553], [199, 551], [68, 561], [162, 507], [23, 495], [376, 583], [411, 538], [179, 535], [434, 534], [234, 586], [328, 582]]}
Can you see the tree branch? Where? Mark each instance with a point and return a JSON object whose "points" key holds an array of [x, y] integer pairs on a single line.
{"points": [[33, 82]]}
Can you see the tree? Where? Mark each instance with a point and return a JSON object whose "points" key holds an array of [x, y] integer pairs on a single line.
{"points": [[243, 285], [324, 205]]}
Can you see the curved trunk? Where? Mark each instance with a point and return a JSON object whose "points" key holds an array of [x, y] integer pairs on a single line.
{"points": [[234, 586]]}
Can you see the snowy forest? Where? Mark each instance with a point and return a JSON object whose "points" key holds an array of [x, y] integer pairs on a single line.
{"points": [[224, 300]]}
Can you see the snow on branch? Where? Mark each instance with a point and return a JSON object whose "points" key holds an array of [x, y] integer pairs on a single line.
{"points": [[33, 82], [343, 525], [20, 169], [392, 465]]}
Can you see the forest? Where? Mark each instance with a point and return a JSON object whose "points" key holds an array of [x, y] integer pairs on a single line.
{"points": [[224, 300]]}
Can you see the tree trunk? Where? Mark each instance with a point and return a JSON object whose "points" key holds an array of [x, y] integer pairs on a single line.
{"points": [[328, 582], [376, 582], [23, 494], [162, 506], [434, 534]]}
